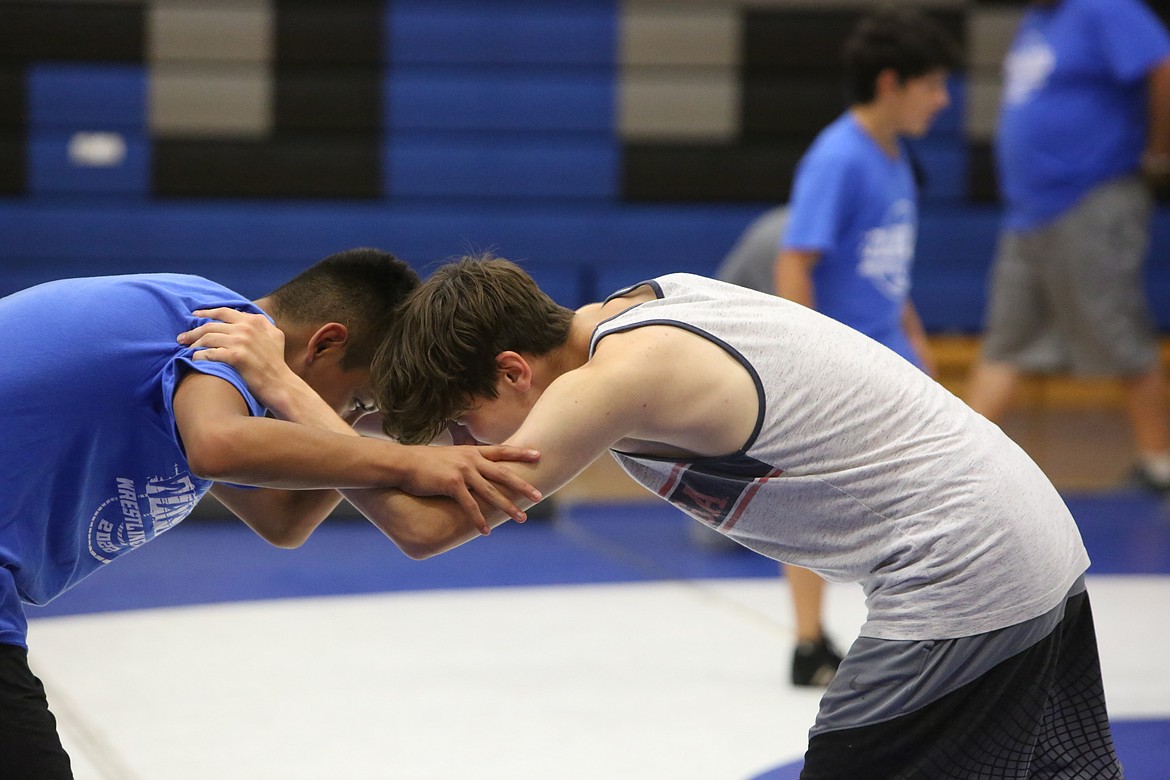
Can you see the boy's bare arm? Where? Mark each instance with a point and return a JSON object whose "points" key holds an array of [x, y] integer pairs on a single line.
{"points": [[224, 443], [793, 275], [581, 415], [662, 390]]}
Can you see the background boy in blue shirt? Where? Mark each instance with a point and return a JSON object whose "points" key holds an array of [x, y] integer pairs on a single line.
{"points": [[848, 246], [1085, 113]]}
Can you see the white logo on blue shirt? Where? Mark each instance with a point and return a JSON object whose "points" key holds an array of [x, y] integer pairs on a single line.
{"points": [[887, 251], [132, 517], [1027, 68]]}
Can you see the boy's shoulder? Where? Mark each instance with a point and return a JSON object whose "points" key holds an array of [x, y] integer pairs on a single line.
{"points": [[838, 145]]}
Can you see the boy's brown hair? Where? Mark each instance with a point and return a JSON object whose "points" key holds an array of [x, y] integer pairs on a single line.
{"points": [[442, 347]]}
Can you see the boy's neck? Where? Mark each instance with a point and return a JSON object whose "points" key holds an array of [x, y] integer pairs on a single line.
{"points": [[877, 123], [574, 353]]}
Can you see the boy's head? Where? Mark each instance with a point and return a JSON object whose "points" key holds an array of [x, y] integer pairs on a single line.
{"points": [[335, 315], [897, 49], [441, 354]]}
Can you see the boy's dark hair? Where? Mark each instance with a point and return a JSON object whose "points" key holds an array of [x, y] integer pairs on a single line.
{"points": [[359, 288], [445, 337], [902, 39]]}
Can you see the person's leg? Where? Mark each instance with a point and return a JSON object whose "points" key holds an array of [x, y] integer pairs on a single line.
{"points": [[1097, 277], [30, 748], [1145, 404], [814, 661], [991, 388], [1017, 331]]}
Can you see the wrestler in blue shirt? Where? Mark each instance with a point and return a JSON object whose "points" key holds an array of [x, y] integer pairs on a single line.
{"points": [[91, 465], [113, 430], [848, 247]]}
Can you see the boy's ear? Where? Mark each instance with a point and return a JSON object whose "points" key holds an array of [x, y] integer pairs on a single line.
{"points": [[330, 336], [887, 82], [514, 370]]}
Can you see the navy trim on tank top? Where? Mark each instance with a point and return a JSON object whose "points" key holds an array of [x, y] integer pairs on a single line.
{"points": [[727, 348]]}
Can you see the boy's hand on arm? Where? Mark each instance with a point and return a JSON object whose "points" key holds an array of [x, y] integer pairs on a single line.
{"points": [[463, 473], [226, 444], [254, 347]]}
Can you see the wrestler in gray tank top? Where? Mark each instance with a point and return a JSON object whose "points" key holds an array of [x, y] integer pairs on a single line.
{"points": [[864, 469]]}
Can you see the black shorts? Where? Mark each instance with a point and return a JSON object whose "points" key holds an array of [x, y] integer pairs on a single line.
{"points": [[1039, 714], [29, 746]]}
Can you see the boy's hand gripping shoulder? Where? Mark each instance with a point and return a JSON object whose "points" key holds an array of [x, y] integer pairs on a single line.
{"points": [[250, 344]]}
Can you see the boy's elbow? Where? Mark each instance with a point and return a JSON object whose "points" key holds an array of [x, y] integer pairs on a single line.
{"points": [[419, 550], [288, 540], [207, 463], [422, 542], [214, 455]]}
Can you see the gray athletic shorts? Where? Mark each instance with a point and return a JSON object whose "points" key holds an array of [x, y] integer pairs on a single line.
{"points": [[1069, 296]]}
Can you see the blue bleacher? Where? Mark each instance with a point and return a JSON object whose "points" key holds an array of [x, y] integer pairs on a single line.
{"points": [[69, 95], [499, 100], [72, 108], [499, 133], [568, 32]]}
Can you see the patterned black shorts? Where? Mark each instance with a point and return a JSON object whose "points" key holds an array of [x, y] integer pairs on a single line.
{"points": [[1039, 714]]}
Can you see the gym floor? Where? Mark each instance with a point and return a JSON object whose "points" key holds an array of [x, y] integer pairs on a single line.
{"points": [[599, 642]]}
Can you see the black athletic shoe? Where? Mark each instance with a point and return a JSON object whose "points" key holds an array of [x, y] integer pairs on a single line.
{"points": [[1143, 480], [814, 664]]}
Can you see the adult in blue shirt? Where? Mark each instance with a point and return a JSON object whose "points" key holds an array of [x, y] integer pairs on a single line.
{"points": [[113, 430], [848, 246], [1085, 111]]}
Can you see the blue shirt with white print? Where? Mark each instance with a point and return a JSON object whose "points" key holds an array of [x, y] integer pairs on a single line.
{"points": [[858, 207], [91, 465], [1073, 112]]}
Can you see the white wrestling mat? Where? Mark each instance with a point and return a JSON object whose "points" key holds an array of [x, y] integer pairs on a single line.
{"points": [[665, 680]]}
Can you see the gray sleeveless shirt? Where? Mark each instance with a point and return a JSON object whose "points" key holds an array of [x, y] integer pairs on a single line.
{"points": [[864, 469]]}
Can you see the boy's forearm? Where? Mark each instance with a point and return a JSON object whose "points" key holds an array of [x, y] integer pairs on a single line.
{"points": [[793, 278], [293, 400], [280, 454], [420, 526]]}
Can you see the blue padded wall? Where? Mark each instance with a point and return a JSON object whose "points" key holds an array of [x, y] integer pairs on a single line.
{"points": [[253, 247], [524, 168]]}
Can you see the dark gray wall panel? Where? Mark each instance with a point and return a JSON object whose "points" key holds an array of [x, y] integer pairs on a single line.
{"points": [[343, 32], [708, 172], [304, 167], [112, 32], [344, 98], [12, 163], [13, 100]]}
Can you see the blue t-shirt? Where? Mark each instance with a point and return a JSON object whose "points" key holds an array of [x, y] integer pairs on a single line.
{"points": [[91, 465], [858, 207], [1074, 107]]}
